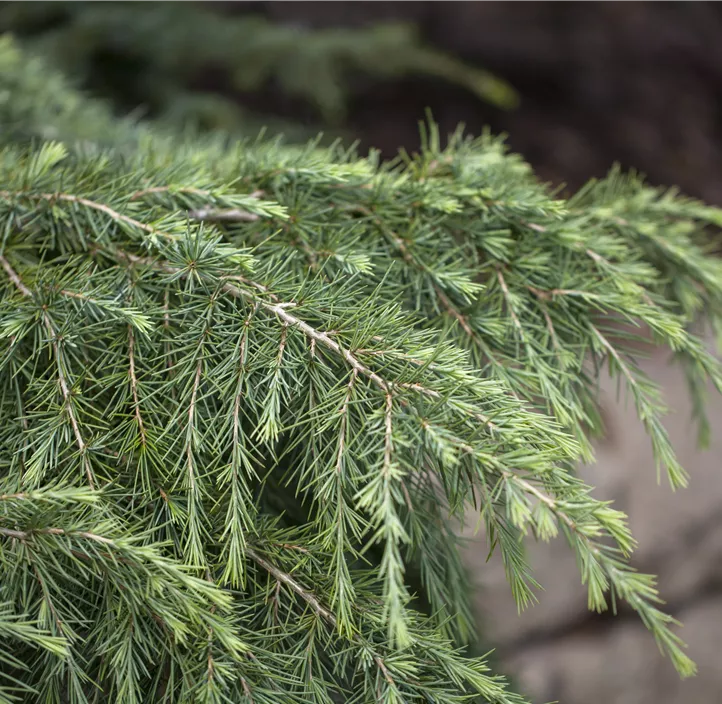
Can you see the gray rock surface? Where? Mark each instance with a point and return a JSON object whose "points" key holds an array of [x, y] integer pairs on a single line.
{"points": [[557, 650]]}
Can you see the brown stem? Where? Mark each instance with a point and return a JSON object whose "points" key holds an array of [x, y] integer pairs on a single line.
{"points": [[308, 596], [613, 352], [12, 274], [27, 535], [451, 308], [93, 205], [546, 295]]}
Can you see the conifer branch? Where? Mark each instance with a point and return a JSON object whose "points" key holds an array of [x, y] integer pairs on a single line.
{"points": [[82, 447], [615, 354], [93, 205], [67, 397], [134, 384], [342, 432], [509, 304], [49, 601], [298, 406], [28, 535], [279, 309], [318, 608]]}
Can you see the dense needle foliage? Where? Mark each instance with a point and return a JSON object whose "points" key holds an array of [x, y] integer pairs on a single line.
{"points": [[248, 389]]}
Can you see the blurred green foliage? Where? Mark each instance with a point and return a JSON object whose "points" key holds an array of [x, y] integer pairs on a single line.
{"points": [[187, 63]]}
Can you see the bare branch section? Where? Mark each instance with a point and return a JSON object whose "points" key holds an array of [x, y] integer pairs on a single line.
{"points": [[230, 215], [202, 214], [184, 189], [308, 596], [206, 214], [615, 354], [12, 275], [546, 295], [27, 535]]}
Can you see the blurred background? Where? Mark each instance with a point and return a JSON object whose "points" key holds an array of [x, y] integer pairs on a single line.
{"points": [[577, 87]]}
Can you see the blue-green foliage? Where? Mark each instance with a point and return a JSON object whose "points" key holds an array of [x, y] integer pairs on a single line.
{"points": [[246, 388]]}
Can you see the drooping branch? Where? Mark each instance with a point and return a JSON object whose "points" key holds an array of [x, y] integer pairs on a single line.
{"points": [[344, 412], [134, 384], [82, 447], [278, 308], [509, 304]]}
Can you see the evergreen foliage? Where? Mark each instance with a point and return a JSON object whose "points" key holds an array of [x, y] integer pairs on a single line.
{"points": [[248, 389]]}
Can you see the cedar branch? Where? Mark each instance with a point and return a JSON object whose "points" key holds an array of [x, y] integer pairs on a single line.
{"points": [[13, 275]]}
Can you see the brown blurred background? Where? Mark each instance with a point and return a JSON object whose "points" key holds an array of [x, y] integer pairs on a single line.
{"points": [[638, 83]]}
